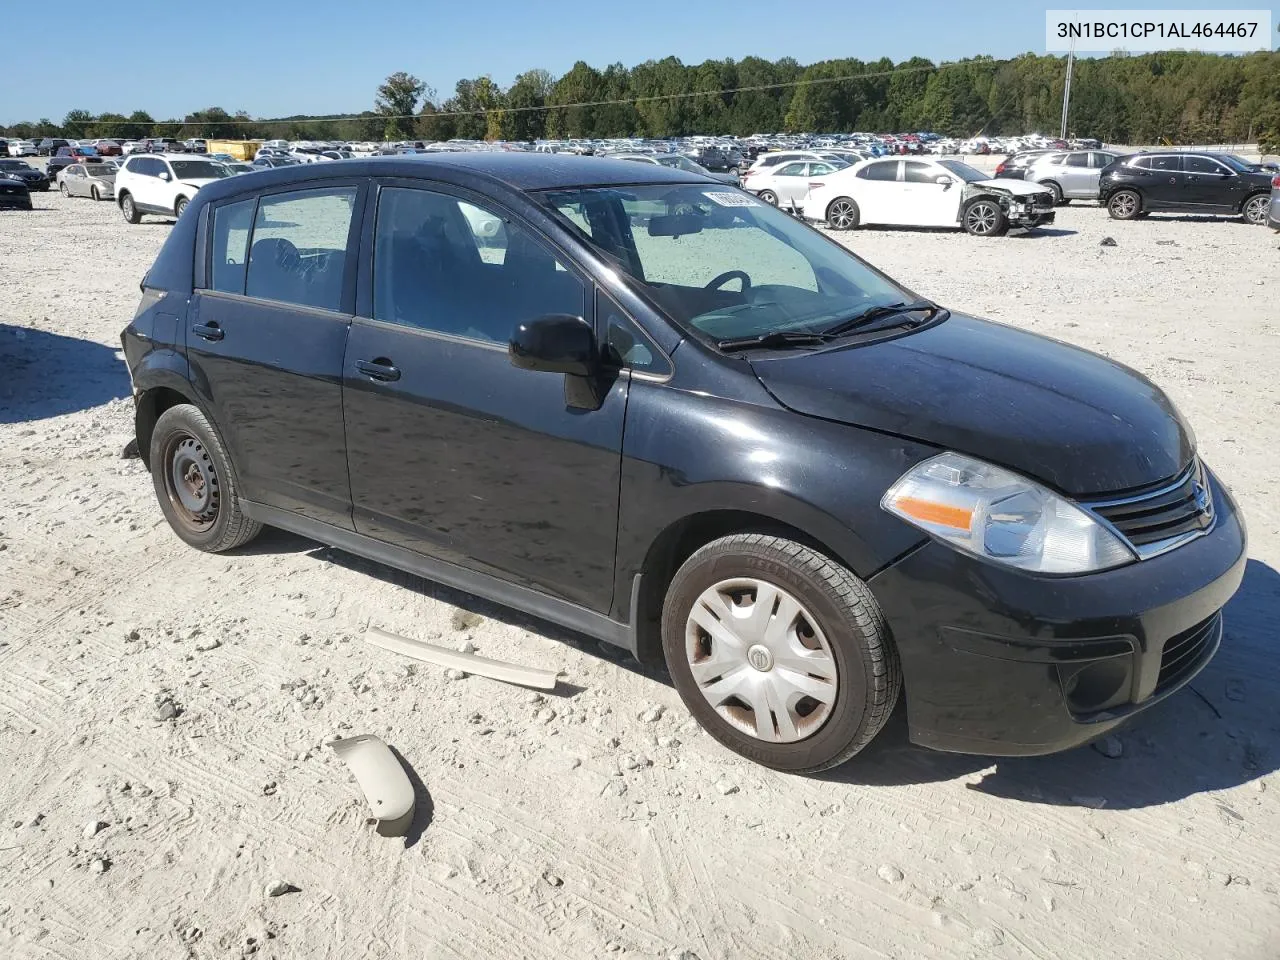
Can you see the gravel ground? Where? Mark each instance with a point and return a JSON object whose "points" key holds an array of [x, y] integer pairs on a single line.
{"points": [[162, 711]]}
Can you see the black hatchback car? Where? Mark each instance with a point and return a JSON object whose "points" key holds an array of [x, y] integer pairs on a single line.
{"points": [[649, 407], [1216, 183]]}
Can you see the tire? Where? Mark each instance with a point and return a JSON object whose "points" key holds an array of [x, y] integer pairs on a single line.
{"points": [[1124, 205], [93, 192], [180, 206], [62, 188], [195, 483], [843, 214], [1058, 199], [836, 628], [769, 197], [984, 218], [128, 209], [1254, 209]]}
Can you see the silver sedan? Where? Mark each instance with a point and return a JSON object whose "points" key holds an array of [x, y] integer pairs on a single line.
{"points": [[96, 180]]}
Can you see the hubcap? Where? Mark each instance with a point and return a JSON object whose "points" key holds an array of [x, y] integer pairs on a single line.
{"points": [[768, 198], [1124, 205], [841, 214], [761, 660], [981, 218], [192, 483], [1256, 209]]}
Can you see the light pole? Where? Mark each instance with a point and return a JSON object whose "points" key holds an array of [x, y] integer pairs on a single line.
{"points": [[1066, 88]]}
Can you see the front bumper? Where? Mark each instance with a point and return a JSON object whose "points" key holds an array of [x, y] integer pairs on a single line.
{"points": [[1004, 663], [1030, 217]]}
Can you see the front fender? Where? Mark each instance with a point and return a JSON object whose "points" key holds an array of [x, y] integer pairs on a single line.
{"points": [[685, 455]]}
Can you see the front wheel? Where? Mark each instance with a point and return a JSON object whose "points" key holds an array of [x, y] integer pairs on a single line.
{"points": [[1255, 208], [194, 483], [93, 192], [842, 214], [129, 210], [62, 188], [779, 652], [984, 218], [1124, 205]]}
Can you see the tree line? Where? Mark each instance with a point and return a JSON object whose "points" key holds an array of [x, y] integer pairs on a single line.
{"points": [[1178, 97]]}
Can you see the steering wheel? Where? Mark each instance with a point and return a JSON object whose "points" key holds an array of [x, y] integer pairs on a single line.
{"points": [[728, 275]]}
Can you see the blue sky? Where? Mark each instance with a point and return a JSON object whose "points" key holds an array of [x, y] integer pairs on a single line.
{"points": [[281, 57]]}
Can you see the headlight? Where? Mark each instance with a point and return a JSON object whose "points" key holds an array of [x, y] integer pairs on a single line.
{"points": [[993, 513]]}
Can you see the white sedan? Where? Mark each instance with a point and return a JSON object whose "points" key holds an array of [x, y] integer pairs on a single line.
{"points": [[22, 148], [922, 192], [786, 184]]}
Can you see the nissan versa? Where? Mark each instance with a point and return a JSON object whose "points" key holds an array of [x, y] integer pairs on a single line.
{"points": [[646, 406]]}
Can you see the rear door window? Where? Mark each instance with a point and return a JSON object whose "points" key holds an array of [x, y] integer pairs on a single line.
{"points": [[1077, 160], [1165, 162], [232, 224], [299, 249], [880, 171], [918, 172]]}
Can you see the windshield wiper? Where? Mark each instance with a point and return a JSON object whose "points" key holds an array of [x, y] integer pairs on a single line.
{"points": [[872, 314], [774, 340]]}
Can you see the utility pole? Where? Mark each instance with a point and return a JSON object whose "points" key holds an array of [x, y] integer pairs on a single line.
{"points": [[1066, 88]]}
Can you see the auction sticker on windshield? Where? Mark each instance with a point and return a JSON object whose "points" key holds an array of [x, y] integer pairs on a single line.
{"points": [[732, 199]]}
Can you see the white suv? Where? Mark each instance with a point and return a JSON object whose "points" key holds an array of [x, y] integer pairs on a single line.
{"points": [[162, 184]]}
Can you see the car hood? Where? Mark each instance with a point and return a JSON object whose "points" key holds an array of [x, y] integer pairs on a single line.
{"points": [[1017, 188], [202, 182], [1070, 418]]}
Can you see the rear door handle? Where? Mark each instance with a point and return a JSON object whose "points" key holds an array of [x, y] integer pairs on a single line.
{"points": [[379, 369], [208, 331]]}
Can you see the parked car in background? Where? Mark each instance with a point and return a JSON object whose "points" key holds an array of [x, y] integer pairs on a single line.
{"points": [[269, 161], [56, 165], [195, 145], [923, 192], [108, 148], [677, 161], [1014, 167], [132, 146], [4, 148], [831, 494], [787, 184], [1273, 208], [1069, 176], [14, 194], [237, 167], [164, 145], [93, 180], [23, 148], [162, 185], [33, 178], [49, 146], [1174, 181]]}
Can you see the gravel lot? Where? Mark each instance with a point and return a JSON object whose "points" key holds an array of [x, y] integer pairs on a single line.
{"points": [[601, 822]]}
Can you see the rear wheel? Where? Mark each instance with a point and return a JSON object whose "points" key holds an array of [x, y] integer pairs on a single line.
{"points": [[984, 218], [1255, 208], [779, 652], [62, 188], [1058, 199], [842, 214], [769, 197], [1124, 205], [93, 192], [179, 206], [193, 480], [129, 209]]}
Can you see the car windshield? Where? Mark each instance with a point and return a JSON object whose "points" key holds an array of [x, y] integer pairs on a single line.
{"points": [[722, 262], [962, 170], [198, 170]]}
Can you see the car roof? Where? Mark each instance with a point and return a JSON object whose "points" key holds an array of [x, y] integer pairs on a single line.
{"points": [[519, 171]]}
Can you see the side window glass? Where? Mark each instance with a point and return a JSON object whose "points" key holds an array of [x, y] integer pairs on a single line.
{"points": [[791, 170], [1077, 160], [1162, 163], [449, 266], [920, 172], [299, 247], [1202, 165], [625, 343], [230, 247]]}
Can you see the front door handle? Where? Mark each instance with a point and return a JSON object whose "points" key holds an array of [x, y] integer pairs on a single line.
{"points": [[379, 369], [208, 331]]}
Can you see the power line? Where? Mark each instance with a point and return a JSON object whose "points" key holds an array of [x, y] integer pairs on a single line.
{"points": [[485, 111]]}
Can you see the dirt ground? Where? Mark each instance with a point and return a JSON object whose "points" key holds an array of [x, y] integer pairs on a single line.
{"points": [[595, 822]]}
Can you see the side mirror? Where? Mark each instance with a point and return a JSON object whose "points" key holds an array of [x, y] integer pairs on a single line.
{"points": [[164, 175], [556, 343], [943, 181]]}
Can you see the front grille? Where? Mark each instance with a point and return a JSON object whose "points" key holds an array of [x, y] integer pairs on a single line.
{"points": [[1169, 513], [1185, 652], [1042, 200]]}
